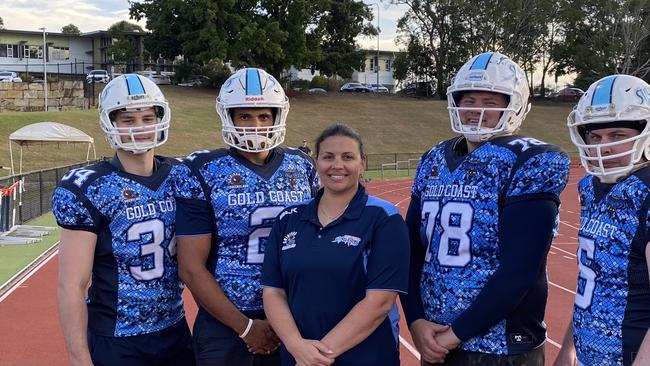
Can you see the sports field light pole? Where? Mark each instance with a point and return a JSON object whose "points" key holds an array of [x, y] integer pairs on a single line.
{"points": [[377, 62], [44, 68]]}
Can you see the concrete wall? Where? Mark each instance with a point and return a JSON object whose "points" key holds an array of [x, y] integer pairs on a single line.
{"points": [[29, 97]]}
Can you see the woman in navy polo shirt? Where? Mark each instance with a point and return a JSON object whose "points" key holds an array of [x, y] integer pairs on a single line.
{"points": [[333, 266]]}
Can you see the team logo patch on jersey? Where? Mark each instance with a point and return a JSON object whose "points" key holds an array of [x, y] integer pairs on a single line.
{"points": [[289, 240], [129, 195], [236, 181], [291, 176], [433, 173], [349, 240]]}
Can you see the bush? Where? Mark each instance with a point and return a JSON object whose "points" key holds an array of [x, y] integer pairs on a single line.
{"points": [[318, 82], [27, 78], [183, 72], [216, 71], [300, 84]]}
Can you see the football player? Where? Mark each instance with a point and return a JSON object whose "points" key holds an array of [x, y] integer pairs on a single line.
{"points": [[118, 225], [482, 216], [223, 229], [611, 315]]}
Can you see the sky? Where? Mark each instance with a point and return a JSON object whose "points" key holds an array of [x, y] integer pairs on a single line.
{"points": [[91, 15]]}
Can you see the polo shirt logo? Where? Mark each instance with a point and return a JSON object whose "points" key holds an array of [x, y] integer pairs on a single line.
{"points": [[349, 240], [289, 240]]}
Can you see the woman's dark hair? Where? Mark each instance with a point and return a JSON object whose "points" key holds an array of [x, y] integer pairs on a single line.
{"points": [[340, 129]]}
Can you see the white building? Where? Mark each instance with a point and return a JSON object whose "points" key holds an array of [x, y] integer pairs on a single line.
{"points": [[366, 76]]}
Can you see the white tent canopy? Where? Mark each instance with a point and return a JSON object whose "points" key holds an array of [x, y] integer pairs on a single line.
{"points": [[48, 132]]}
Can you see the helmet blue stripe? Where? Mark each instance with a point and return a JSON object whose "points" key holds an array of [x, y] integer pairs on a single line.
{"points": [[134, 85], [481, 61], [603, 93], [253, 83]]}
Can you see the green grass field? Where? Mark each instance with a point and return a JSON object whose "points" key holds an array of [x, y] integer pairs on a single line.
{"points": [[14, 258], [388, 124]]}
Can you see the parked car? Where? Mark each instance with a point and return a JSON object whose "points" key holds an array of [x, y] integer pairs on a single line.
{"points": [[195, 80], [568, 95], [98, 76], [10, 76], [156, 78], [377, 88], [316, 91], [354, 87]]}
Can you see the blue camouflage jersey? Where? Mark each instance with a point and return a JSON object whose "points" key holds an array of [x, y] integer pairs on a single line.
{"points": [[238, 201], [612, 307], [461, 198], [135, 287]]}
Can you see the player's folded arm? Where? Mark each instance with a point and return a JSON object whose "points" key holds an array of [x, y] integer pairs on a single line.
{"points": [[526, 228], [193, 217]]}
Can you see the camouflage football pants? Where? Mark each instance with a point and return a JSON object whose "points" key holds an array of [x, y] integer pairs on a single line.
{"points": [[459, 357]]}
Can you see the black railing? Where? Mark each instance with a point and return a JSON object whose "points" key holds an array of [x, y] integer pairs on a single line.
{"points": [[35, 195]]}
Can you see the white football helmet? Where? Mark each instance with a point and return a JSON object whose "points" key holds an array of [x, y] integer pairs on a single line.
{"points": [[133, 92], [496, 73], [252, 88], [613, 101]]}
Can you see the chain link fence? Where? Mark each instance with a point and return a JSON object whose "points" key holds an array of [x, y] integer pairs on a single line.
{"points": [[36, 191]]}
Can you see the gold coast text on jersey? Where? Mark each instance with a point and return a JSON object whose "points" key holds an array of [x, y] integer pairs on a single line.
{"points": [[150, 209], [451, 190], [595, 228], [255, 198]]}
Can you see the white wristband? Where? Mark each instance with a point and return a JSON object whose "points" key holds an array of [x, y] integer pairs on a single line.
{"points": [[248, 328]]}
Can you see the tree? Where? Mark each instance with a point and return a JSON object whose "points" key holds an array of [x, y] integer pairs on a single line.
{"points": [[2, 23], [123, 48], [437, 27], [604, 37], [124, 26], [273, 34], [70, 29]]}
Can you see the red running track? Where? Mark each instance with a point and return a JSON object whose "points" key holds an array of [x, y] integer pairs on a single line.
{"points": [[30, 332]]}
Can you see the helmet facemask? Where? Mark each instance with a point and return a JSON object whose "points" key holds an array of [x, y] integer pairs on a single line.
{"points": [[617, 101], [133, 93], [252, 88], [493, 73], [117, 136]]}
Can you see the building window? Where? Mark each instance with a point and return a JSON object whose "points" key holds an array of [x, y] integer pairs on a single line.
{"points": [[34, 51], [25, 51], [388, 65], [59, 53], [9, 50], [372, 64]]}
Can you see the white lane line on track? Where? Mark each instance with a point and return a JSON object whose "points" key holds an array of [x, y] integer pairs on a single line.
{"points": [[564, 251], [409, 347], [561, 288], [28, 275], [569, 225]]}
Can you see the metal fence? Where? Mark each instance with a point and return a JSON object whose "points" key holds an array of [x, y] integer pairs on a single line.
{"points": [[77, 70], [36, 192], [375, 161]]}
